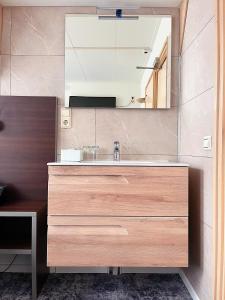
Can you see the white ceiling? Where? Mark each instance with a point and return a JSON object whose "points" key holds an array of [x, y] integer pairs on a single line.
{"points": [[114, 47], [89, 31], [98, 3]]}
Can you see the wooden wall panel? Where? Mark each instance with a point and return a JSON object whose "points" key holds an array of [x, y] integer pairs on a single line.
{"points": [[219, 161], [183, 16], [27, 144]]}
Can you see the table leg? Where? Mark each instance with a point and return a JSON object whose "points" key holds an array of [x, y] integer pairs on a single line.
{"points": [[34, 257]]}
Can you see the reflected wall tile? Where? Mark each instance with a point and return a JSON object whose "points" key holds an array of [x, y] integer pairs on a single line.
{"points": [[196, 122], [196, 19], [6, 31], [5, 75], [40, 30], [37, 76], [139, 131], [82, 132], [198, 64]]}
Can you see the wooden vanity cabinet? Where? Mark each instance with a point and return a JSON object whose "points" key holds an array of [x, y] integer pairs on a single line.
{"points": [[118, 216]]}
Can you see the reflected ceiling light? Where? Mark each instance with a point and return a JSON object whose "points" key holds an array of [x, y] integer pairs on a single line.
{"points": [[118, 16]]}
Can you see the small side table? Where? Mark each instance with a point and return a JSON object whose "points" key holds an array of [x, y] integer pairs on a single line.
{"points": [[23, 230]]}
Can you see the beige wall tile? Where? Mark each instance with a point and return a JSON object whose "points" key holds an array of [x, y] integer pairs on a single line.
{"points": [[40, 30], [5, 75], [37, 31], [37, 76], [6, 31], [200, 188], [199, 14], [83, 129], [196, 121], [200, 271], [198, 64], [139, 132], [148, 157]]}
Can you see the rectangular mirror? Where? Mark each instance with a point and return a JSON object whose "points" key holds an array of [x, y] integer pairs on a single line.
{"points": [[118, 62]]}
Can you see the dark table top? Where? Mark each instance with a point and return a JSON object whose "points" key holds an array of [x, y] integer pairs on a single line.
{"points": [[22, 206]]}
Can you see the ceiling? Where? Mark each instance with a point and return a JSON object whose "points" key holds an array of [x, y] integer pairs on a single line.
{"points": [[114, 47], [98, 3]]}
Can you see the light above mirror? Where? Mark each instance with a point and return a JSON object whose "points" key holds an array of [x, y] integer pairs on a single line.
{"points": [[125, 59]]}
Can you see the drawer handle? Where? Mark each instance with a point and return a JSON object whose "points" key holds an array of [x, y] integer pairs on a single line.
{"points": [[89, 230]]}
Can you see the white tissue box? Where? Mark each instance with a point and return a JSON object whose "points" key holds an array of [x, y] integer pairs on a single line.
{"points": [[71, 155]]}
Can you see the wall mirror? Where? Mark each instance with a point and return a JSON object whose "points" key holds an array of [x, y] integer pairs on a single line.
{"points": [[118, 62]]}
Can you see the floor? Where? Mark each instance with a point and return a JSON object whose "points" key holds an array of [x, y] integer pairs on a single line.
{"points": [[96, 287]]}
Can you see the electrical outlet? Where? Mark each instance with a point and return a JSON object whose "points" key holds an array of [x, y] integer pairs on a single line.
{"points": [[66, 121], [207, 142]]}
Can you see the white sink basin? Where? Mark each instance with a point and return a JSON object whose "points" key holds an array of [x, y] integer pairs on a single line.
{"points": [[147, 163]]}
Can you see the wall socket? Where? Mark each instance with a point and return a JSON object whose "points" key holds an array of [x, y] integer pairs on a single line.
{"points": [[207, 142], [66, 118]]}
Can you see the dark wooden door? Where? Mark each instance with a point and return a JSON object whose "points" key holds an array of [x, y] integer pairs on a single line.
{"points": [[27, 144]]}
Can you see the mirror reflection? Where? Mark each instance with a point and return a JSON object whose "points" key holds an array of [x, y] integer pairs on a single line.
{"points": [[123, 63]]}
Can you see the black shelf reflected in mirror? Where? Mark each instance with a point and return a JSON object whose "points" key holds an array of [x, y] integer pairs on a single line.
{"points": [[82, 101]]}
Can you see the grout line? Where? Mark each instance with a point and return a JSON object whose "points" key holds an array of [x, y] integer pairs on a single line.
{"points": [[198, 34], [195, 156], [207, 225], [178, 107], [197, 96]]}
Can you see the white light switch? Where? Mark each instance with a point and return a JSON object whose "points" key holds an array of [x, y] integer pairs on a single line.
{"points": [[66, 121], [207, 142]]}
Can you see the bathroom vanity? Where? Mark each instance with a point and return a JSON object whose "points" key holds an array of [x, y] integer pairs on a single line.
{"points": [[118, 214]]}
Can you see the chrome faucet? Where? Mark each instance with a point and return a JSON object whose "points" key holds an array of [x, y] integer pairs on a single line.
{"points": [[116, 153]]}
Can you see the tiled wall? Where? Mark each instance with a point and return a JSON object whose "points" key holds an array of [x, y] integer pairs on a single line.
{"points": [[32, 63], [196, 113]]}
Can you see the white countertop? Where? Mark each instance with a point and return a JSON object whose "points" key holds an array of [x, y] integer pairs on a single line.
{"points": [[134, 163]]}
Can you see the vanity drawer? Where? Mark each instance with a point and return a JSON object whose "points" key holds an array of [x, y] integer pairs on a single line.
{"points": [[134, 192], [117, 241]]}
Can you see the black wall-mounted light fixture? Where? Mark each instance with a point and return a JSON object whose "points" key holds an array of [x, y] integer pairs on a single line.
{"points": [[118, 16], [119, 13]]}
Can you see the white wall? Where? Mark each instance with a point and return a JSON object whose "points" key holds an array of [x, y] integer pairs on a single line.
{"points": [[164, 32]]}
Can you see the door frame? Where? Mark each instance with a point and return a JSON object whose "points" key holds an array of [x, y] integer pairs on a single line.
{"points": [[219, 161]]}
